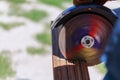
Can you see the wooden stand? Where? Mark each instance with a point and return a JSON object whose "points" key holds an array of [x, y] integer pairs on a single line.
{"points": [[64, 28], [66, 69], [69, 70]]}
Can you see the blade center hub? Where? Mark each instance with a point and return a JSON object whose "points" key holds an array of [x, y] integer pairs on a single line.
{"points": [[87, 41]]}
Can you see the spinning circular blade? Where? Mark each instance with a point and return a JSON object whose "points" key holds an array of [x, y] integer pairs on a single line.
{"points": [[84, 37]]}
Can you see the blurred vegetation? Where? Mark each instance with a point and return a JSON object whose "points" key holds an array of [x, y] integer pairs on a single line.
{"points": [[5, 67], [34, 51], [8, 26], [17, 1], [44, 38], [47, 28], [102, 68], [15, 10], [34, 14], [5, 52], [56, 3]]}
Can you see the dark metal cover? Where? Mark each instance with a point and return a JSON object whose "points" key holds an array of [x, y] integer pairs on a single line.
{"points": [[81, 32]]}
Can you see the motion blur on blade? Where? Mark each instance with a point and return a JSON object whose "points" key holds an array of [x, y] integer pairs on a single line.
{"points": [[82, 32]]}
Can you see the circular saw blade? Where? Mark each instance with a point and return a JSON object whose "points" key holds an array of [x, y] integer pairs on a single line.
{"points": [[84, 37]]}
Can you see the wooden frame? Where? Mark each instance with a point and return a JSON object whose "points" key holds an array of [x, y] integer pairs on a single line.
{"points": [[69, 70]]}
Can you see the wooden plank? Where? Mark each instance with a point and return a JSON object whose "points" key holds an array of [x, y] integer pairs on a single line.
{"points": [[69, 69], [56, 69], [78, 70], [63, 67], [84, 70]]}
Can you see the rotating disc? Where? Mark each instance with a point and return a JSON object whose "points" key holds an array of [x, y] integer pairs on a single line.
{"points": [[84, 37]]}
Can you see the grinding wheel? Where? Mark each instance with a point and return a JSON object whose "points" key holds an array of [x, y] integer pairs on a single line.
{"points": [[82, 32], [85, 37]]}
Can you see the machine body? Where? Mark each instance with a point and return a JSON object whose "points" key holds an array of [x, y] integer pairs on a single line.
{"points": [[81, 32]]}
